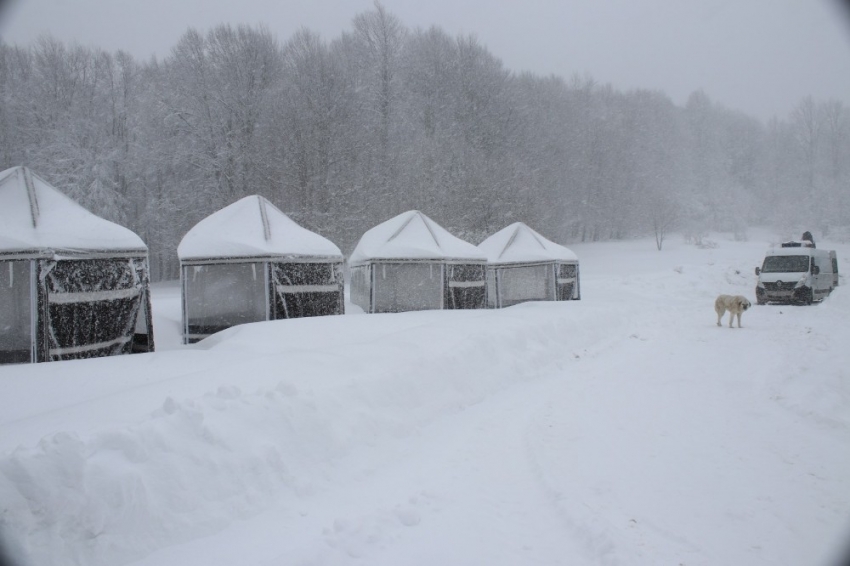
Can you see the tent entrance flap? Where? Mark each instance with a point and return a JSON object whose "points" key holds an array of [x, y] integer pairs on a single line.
{"points": [[526, 283], [91, 305], [401, 287], [222, 295]]}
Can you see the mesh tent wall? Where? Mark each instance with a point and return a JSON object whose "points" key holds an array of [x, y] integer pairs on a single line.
{"points": [[249, 262], [524, 266], [72, 285], [412, 263]]}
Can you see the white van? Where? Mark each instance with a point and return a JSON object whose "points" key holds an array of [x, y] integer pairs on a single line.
{"points": [[796, 273]]}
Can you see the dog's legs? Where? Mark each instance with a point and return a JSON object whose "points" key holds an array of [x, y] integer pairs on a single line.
{"points": [[731, 318], [719, 317], [739, 320]]}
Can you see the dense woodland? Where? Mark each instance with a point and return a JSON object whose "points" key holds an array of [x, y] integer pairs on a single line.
{"points": [[344, 134]]}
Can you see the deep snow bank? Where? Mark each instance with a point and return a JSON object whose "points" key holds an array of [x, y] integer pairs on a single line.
{"points": [[283, 401]]}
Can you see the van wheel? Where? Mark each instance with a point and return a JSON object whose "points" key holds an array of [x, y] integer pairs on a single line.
{"points": [[802, 296]]}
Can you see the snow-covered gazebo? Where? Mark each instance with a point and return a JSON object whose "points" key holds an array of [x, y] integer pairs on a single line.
{"points": [[250, 262], [523, 266], [412, 263], [72, 284]]}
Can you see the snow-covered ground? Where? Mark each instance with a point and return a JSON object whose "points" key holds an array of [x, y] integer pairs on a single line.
{"points": [[625, 428]]}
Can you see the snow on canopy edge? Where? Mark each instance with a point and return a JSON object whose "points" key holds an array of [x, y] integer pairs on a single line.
{"points": [[253, 228], [49, 223], [519, 243], [412, 236]]}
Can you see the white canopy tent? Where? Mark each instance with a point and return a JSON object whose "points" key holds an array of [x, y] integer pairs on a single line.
{"points": [[412, 263], [524, 266], [250, 262], [72, 285]]}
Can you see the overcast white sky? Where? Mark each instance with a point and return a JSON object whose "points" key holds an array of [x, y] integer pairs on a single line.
{"points": [[759, 56]]}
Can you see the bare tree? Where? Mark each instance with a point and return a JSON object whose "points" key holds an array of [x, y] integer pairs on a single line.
{"points": [[663, 214], [314, 109], [808, 124], [220, 91], [379, 39]]}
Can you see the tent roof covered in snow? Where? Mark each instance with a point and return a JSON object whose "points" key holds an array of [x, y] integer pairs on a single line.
{"points": [[253, 227], [518, 243], [413, 236], [36, 219]]}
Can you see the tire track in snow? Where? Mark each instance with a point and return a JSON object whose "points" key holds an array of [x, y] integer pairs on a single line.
{"points": [[581, 522]]}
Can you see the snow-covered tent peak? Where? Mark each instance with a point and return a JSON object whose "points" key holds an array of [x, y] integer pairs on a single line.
{"points": [[252, 227], [412, 236], [518, 243], [37, 218]]}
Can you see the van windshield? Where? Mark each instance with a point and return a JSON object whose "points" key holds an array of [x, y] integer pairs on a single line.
{"points": [[785, 264]]}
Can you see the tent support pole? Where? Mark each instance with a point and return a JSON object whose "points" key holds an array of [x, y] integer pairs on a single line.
{"points": [[184, 292], [555, 281], [267, 282], [33, 312], [445, 285], [372, 287]]}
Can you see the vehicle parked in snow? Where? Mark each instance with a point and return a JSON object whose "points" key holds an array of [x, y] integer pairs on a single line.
{"points": [[796, 273]]}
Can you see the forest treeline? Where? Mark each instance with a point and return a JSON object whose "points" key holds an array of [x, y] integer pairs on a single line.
{"points": [[344, 134]]}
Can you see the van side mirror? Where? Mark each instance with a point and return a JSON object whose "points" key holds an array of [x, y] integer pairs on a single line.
{"points": [[758, 270], [815, 270]]}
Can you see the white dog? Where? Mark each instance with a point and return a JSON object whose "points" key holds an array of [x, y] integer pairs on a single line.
{"points": [[735, 304]]}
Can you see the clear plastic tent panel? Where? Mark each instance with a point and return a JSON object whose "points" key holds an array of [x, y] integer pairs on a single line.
{"points": [[92, 306], [492, 296], [15, 312], [361, 286], [567, 281], [566, 271], [307, 289], [143, 340], [401, 287], [528, 283], [219, 296], [466, 273], [466, 288]]}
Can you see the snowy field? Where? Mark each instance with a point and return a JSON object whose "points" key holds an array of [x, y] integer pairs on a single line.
{"points": [[622, 429]]}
